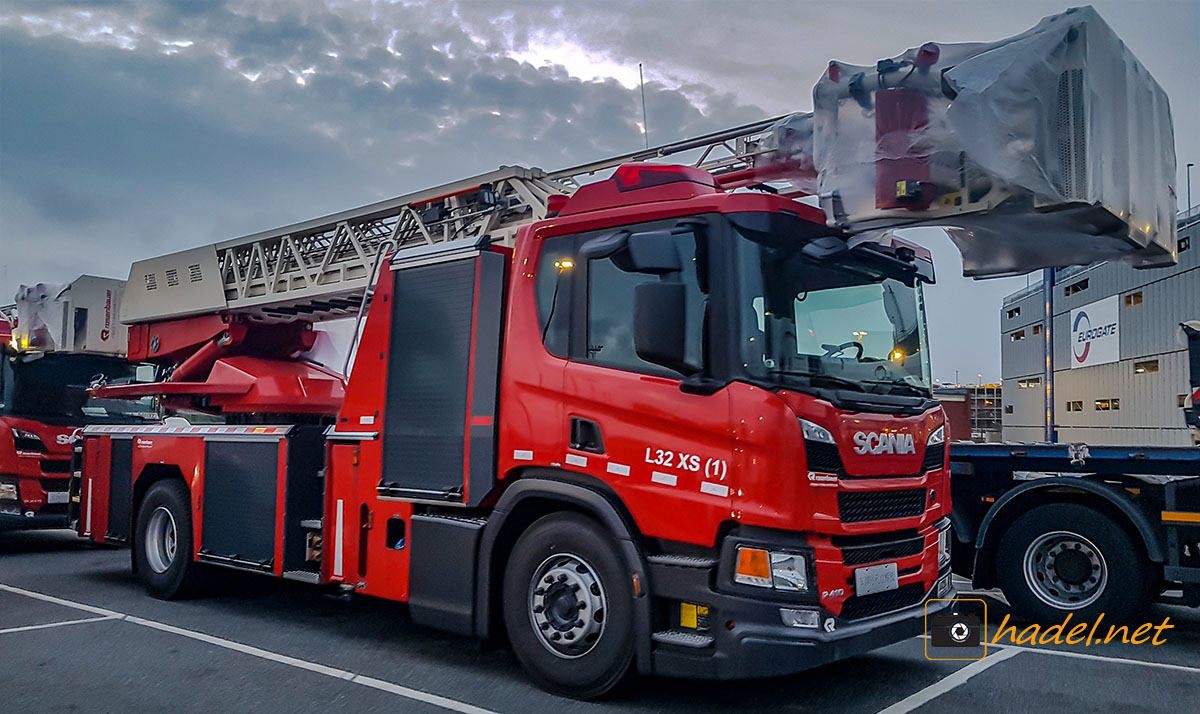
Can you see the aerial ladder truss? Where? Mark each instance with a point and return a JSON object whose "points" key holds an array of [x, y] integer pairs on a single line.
{"points": [[320, 269]]}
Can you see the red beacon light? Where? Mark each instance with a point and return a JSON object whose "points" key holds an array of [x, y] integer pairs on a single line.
{"points": [[629, 177], [555, 204]]}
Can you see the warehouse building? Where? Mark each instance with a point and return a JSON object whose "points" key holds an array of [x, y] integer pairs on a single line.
{"points": [[1120, 370]]}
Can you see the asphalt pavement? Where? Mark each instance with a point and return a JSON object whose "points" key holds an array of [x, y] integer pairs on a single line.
{"points": [[77, 633]]}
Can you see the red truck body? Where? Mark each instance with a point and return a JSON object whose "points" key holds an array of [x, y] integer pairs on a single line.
{"points": [[468, 427]]}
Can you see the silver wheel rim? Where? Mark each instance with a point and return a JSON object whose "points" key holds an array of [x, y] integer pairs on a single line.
{"points": [[1065, 570], [567, 605], [161, 540]]}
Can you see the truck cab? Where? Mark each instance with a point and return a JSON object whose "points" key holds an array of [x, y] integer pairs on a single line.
{"points": [[43, 400], [755, 393]]}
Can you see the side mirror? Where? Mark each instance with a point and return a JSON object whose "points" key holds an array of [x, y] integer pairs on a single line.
{"points": [[660, 325], [647, 252], [653, 253]]}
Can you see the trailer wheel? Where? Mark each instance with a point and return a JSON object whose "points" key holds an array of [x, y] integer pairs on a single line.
{"points": [[568, 607], [162, 543], [1067, 558]]}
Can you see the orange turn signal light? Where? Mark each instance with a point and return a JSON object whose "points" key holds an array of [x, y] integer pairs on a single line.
{"points": [[753, 567]]}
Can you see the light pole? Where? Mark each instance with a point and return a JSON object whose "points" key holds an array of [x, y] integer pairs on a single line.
{"points": [[1189, 184]]}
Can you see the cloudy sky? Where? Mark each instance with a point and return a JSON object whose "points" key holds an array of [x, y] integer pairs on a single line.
{"points": [[132, 129]]}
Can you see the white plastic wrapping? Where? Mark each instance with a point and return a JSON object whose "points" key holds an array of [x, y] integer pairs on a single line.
{"points": [[1050, 148], [40, 316]]}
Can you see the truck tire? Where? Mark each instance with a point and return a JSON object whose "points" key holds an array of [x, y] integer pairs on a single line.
{"points": [[162, 542], [1067, 558], [568, 607]]}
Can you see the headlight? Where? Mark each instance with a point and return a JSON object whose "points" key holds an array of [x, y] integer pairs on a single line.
{"points": [[938, 436], [27, 440], [789, 571], [770, 569], [943, 546], [8, 491], [815, 432]]}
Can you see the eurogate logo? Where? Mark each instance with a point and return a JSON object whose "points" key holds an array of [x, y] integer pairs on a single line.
{"points": [[1094, 337], [1085, 333]]}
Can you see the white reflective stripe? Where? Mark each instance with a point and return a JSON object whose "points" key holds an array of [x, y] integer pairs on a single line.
{"points": [[575, 460], [337, 541], [664, 479], [618, 469], [522, 455], [87, 524], [715, 489]]}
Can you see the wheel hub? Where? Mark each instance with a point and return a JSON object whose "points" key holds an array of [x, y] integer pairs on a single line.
{"points": [[567, 605], [1065, 570], [161, 540]]}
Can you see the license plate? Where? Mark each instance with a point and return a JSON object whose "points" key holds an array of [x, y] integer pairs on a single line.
{"points": [[57, 497], [876, 579]]}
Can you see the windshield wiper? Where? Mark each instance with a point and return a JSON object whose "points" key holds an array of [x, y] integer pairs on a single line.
{"points": [[828, 379], [913, 389]]}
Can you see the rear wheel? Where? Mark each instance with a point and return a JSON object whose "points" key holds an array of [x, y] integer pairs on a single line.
{"points": [[568, 607], [1068, 558], [162, 545]]}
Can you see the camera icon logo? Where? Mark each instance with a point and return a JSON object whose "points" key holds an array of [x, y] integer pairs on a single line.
{"points": [[959, 636]]}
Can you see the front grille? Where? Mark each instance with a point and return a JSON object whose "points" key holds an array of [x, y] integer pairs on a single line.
{"points": [[873, 553], [859, 506], [56, 466], [935, 457], [54, 484], [822, 457], [856, 607]]}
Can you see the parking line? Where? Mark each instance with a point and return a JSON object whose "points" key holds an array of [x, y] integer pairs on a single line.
{"points": [[346, 675], [1093, 657], [944, 685], [47, 625], [1100, 658], [59, 601]]}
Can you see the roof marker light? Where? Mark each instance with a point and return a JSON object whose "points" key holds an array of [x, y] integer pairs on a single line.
{"points": [[634, 176]]}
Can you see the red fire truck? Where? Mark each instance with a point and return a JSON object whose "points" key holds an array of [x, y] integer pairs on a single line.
{"points": [[616, 441], [674, 421]]}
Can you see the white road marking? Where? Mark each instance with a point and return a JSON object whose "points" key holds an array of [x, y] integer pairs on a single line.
{"points": [[1099, 658], [618, 469], [27, 628], [576, 460], [346, 675], [942, 686], [59, 601], [664, 479], [715, 489], [1084, 655]]}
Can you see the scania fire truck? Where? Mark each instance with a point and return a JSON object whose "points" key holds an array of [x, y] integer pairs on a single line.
{"points": [[676, 420]]}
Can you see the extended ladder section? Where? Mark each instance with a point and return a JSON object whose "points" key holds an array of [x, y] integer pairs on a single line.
{"points": [[320, 269]]}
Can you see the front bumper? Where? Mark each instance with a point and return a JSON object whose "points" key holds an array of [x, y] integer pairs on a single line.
{"points": [[21, 522], [759, 644]]}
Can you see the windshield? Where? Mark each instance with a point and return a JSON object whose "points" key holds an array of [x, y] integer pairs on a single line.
{"points": [[53, 388], [844, 324]]}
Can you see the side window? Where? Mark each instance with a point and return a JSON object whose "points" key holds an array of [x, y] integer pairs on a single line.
{"points": [[610, 310], [553, 288]]}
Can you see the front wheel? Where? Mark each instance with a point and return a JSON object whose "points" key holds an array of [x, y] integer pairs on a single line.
{"points": [[1067, 558], [162, 543], [568, 607]]}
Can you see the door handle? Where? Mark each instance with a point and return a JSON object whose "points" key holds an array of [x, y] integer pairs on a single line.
{"points": [[586, 436]]}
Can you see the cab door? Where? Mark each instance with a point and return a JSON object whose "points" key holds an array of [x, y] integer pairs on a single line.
{"points": [[664, 451]]}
